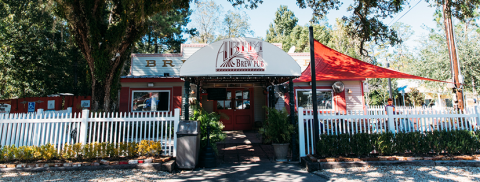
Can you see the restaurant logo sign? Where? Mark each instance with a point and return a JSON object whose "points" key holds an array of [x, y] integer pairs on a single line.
{"points": [[240, 56]]}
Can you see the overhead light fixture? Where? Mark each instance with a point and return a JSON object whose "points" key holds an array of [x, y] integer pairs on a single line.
{"points": [[150, 84], [349, 91]]}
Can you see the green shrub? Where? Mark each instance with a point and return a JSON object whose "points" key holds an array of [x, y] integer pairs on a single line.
{"points": [[216, 127], [343, 144], [385, 143]]}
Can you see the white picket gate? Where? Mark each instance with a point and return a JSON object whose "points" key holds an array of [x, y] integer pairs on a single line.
{"points": [[404, 120], [35, 129]]}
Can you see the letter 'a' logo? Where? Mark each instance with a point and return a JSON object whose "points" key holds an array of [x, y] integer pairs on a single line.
{"points": [[240, 56]]}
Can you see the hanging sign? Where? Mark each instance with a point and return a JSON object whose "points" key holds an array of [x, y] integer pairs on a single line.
{"points": [[31, 106], [51, 105], [85, 103], [5, 108]]}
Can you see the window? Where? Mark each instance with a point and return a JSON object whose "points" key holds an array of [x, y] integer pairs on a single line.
{"points": [[156, 100], [324, 99]]}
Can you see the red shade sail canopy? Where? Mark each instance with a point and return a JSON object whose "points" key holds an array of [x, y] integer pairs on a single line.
{"points": [[333, 65]]}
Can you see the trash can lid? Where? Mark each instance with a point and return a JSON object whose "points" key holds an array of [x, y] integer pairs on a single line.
{"points": [[188, 127]]}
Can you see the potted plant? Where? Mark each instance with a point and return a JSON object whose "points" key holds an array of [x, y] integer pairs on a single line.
{"points": [[278, 130]]}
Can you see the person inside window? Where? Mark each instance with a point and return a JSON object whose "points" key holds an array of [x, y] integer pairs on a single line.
{"points": [[390, 104]]}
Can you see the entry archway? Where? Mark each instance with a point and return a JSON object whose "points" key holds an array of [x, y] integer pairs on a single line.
{"points": [[238, 65]]}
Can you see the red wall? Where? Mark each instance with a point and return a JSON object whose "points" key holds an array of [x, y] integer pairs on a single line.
{"points": [[21, 105]]}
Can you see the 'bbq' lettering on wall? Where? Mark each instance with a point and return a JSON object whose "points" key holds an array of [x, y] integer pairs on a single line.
{"points": [[151, 63]]}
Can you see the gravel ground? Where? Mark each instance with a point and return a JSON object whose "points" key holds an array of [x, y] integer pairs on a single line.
{"points": [[99, 175], [402, 173]]}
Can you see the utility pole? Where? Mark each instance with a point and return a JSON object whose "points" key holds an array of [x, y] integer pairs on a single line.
{"points": [[455, 65]]}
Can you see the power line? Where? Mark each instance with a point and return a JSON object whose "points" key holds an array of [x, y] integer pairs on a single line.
{"points": [[403, 14]]}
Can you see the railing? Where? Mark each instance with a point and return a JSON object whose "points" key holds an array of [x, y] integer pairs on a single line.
{"points": [[35, 129], [335, 123]]}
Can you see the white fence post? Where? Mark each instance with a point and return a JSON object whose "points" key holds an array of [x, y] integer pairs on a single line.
{"points": [[83, 127], [176, 120], [301, 132], [478, 116], [391, 120]]}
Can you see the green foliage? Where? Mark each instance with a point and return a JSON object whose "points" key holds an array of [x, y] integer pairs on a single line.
{"points": [[415, 143], [37, 55], [415, 97], [216, 127], [277, 127], [326, 146], [165, 32]]}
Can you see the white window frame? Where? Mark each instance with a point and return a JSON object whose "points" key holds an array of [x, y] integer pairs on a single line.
{"points": [[169, 96], [334, 105]]}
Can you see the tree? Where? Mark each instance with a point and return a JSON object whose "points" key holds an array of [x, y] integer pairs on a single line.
{"points": [[104, 31], [415, 97], [433, 58], [281, 27], [165, 32], [206, 18], [235, 24], [37, 55], [462, 10]]}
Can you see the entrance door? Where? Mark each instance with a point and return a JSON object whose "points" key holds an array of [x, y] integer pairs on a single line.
{"points": [[238, 107]]}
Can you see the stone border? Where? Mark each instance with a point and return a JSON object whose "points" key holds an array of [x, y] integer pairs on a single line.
{"points": [[168, 166], [314, 166]]}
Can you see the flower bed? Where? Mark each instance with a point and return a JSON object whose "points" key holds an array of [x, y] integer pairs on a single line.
{"points": [[76, 155]]}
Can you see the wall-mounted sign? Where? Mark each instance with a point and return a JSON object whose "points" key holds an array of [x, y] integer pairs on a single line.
{"points": [[85, 103], [240, 56], [5, 108], [31, 106], [51, 104]]}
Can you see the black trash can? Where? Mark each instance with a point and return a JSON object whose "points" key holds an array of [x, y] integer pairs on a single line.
{"points": [[188, 144]]}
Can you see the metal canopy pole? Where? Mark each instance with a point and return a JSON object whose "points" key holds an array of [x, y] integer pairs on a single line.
{"points": [[316, 128], [292, 120], [390, 84], [187, 93]]}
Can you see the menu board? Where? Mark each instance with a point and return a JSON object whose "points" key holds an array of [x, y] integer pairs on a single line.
{"points": [[217, 94]]}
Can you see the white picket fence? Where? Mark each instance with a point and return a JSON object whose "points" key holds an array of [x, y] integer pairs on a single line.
{"points": [[404, 120], [35, 129]]}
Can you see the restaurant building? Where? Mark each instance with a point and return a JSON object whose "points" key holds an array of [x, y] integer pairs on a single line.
{"points": [[237, 77]]}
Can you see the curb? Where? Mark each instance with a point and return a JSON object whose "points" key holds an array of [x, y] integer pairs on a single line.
{"points": [[167, 166], [314, 166]]}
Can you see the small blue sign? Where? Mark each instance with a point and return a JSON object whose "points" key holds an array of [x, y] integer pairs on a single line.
{"points": [[31, 106]]}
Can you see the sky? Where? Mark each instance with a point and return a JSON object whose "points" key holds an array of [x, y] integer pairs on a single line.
{"points": [[260, 18]]}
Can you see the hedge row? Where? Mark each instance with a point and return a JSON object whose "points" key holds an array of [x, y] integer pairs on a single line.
{"points": [[414, 143], [77, 152]]}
